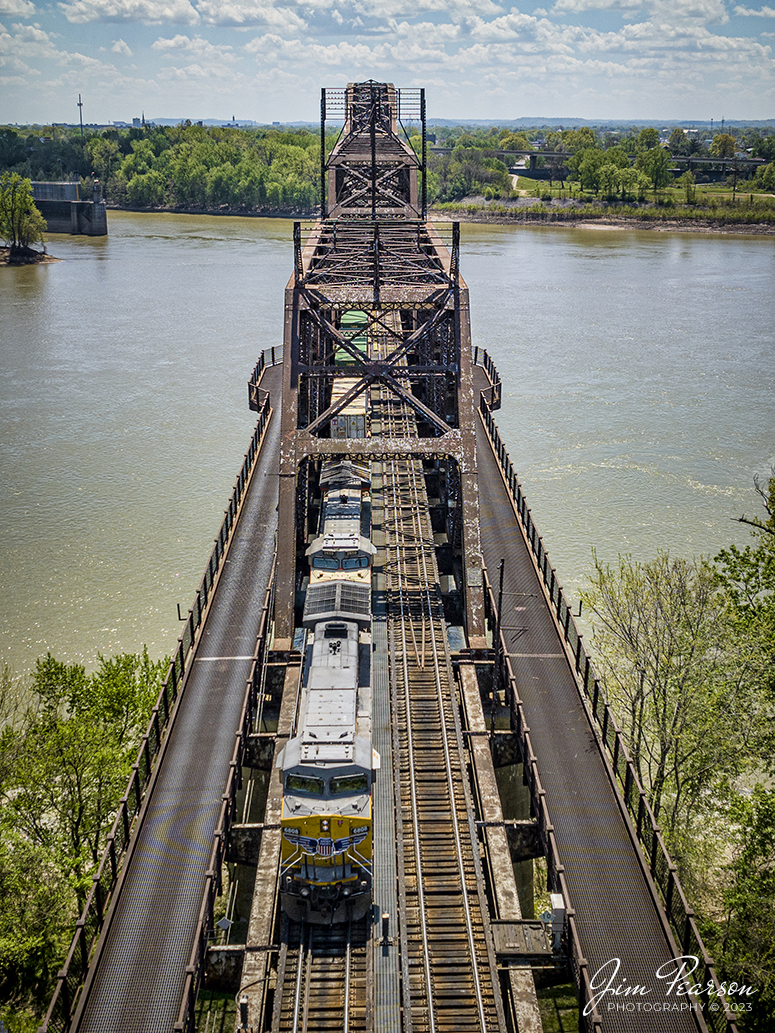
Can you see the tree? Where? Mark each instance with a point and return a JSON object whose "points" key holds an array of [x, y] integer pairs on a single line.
{"points": [[648, 138], [765, 178], [687, 181], [747, 579], [587, 164], [609, 176], [64, 765], [723, 146], [677, 142], [21, 224], [655, 163], [678, 680], [743, 937]]}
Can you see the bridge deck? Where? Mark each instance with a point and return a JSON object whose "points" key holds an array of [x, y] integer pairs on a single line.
{"points": [[138, 983], [615, 911]]}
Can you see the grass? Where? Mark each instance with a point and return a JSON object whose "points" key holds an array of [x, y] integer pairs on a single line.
{"points": [[712, 208], [216, 1012], [559, 1008]]}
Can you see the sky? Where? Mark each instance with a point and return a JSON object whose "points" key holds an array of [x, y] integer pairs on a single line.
{"points": [[266, 60]]}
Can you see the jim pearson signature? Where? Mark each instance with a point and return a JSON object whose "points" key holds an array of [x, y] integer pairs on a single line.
{"points": [[675, 973]]}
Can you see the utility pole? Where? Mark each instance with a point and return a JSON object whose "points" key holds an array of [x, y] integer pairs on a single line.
{"points": [[80, 114]]}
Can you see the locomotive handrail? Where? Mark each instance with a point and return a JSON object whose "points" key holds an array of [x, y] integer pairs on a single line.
{"points": [[579, 966], [70, 979], [626, 783], [213, 882]]}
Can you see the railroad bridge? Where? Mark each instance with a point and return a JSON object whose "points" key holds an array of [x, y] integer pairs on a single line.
{"points": [[476, 665]]}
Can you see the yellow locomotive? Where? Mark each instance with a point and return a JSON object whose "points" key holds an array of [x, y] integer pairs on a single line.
{"points": [[328, 765]]}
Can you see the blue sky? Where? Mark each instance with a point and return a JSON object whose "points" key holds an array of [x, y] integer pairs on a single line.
{"points": [[267, 59]]}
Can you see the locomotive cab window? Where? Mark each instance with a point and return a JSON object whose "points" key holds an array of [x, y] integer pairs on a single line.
{"points": [[325, 563], [355, 562], [349, 784], [305, 784]]}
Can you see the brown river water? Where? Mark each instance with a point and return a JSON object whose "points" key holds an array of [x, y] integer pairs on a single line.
{"points": [[639, 401]]}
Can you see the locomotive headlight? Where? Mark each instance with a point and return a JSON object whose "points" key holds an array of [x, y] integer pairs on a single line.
{"points": [[324, 825]]}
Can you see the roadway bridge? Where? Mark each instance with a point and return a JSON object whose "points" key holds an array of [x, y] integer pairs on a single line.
{"points": [[475, 662]]}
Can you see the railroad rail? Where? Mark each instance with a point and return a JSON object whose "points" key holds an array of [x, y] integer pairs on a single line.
{"points": [[449, 981], [324, 975]]}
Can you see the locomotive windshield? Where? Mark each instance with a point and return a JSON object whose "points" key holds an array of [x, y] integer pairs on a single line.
{"points": [[305, 784], [348, 784], [325, 563]]}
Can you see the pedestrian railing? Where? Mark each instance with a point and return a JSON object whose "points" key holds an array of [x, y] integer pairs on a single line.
{"points": [[269, 357]]}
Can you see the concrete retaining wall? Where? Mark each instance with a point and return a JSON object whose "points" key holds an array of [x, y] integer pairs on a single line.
{"points": [[87, 218]]}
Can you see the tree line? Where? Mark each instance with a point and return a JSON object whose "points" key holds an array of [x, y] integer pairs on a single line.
{"points": [[685, 650], [185, 165], [278, 169], [618, 166]]}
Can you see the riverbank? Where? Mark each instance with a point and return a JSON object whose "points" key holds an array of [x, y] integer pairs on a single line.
{"points": [[757, 218], [28, 257], [530, 211]]}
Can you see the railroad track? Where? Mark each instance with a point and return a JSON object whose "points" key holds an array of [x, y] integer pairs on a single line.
{"points": [[448, 968], [323, 979]]}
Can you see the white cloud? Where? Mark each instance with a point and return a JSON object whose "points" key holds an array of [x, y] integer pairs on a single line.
{"points": [[17, 8], [579, 6], [120, 47], [199, 48], [249, 12], [748, 12], [151, 12]]}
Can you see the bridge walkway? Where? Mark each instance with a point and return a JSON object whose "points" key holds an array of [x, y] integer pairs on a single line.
{"points": [[135, 984], [616, 913]]}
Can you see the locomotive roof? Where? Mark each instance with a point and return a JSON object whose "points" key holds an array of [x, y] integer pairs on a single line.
{"points": [[349, 542]]}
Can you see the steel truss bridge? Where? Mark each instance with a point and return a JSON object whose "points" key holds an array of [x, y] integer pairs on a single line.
{"points": [[476, 664]]}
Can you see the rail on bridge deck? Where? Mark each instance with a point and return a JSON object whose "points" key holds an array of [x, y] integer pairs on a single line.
{"points": [[134, 980]]}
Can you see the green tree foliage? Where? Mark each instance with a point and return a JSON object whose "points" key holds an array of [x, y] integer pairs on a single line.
{"points": [[687, 181], [648, 138], [743, 936], [686, 651], [764, 147], [65, 760], [765, 178], [689, 717], [21, 224], [678, 142], [723, 146], [470, 170], [655, 163], [186, 165]]}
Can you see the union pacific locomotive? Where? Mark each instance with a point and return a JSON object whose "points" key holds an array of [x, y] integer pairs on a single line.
{"points": [[328, 765]]}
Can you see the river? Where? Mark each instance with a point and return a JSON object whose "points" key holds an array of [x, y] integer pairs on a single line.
{"points": [[639, 388]]}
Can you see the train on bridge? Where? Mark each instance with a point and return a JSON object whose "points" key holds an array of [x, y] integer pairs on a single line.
{"points": [[328, 765]]}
